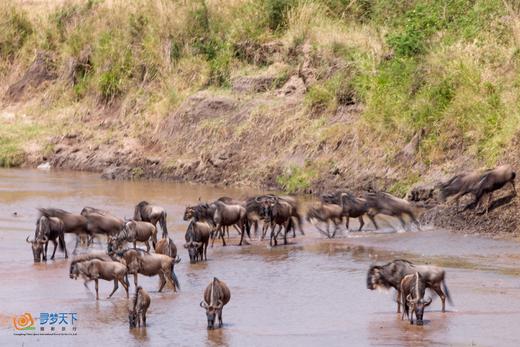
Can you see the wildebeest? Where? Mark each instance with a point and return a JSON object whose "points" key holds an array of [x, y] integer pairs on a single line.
{"points": [[391, 274], [95, 269], [387, 204], [197, 239], [140, 304], [134, 231], [146, 212], [325, 213], [72, 223], [47, 229], [354, 207], [216, 295], [478, 184], [167, 247], [277, 212], [412, 297], [102, 222], [140, 262]]}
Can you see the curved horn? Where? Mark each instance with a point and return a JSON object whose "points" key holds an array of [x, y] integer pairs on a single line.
{"points": [[45, 239], [409, 298], [428, 301], [27, 240], [186, 245], [203, 304], [220, 304]]}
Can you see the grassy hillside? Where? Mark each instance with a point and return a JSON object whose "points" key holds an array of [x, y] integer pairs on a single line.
{"points": [[166, 79]]}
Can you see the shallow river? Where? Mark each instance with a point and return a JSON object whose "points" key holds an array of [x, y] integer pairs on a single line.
{"points": [[309, 293]]}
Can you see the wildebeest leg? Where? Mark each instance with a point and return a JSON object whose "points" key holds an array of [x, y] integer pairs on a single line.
{"points": [[135, 279], [97, 289], [437, 289], [335, 227], [222, 236], [54, 251], [61, 239], [115, 288], [162, 281], [346, 223], [242, 233], [398, 302], [514, 188], [147, 246], [125, 285], [264, 230], [206, 252], [373, 220], [490, 197], [287, 224], [278, 233], [143, 315], [272, 236], [215, 234], [76, 245], [403, 223], [220, 318], [361, 223]]}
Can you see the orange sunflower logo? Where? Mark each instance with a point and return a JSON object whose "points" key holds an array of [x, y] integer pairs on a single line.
{"points": [[24, 322]]}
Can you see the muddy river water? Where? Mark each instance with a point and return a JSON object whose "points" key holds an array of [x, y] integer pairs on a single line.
{"points": [[311, 292]]}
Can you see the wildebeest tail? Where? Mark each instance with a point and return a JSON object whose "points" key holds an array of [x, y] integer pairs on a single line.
{"points": [[174, 276], [447, 292], [162, 221], [177, 260]]}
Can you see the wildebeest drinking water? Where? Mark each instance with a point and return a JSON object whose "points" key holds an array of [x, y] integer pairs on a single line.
{"points": [[216, 295], [391, 274], [146, 212], [47, 229], [197, 240], [412, 297], [140, 304]]}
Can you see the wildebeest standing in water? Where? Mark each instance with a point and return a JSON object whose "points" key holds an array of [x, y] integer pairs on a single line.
{"points": [[146, 212], [412, 297], [216, 295], [391, 274], [72, 223], [277, 212], [197, 240], [140, 262], [47, 229], [102, 222], [167, 247], [140, 304], [387, 204], [95, 269], [134, 231]]}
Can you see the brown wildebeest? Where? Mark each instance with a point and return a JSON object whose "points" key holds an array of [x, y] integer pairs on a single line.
{"points": [[146, 212], [95, 269], [137, 314], [134, 231], [387, 204], [391, 274], [222, 215], [102, 222], [354, 207], [216, 295], [412, 297], [197, 239], [479, 184], [138, 261], [277, 212], [72, 223], [167, 247], [47, 229], [493, 180], [325, 213]]}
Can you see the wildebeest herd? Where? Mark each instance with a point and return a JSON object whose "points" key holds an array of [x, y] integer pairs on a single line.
{"points": [[281, 215]]}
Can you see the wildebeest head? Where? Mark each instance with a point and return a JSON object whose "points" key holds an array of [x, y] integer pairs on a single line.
{"points": [[211, 312], [74, 270], [37, 248], [193, 250], [132, 318], [375, 278], [189, 212], [418, 305]]}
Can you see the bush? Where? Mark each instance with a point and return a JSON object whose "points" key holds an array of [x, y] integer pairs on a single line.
{"points": [[15, 28]]}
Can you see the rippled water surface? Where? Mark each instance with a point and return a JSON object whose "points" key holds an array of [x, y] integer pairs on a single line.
{"points": [[311, 292]]}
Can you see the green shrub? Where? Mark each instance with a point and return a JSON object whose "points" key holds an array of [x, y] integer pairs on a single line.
{"points": [[15, 28]]}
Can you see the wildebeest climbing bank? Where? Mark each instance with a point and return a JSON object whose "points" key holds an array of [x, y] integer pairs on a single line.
{"points": [[259, 173]]}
